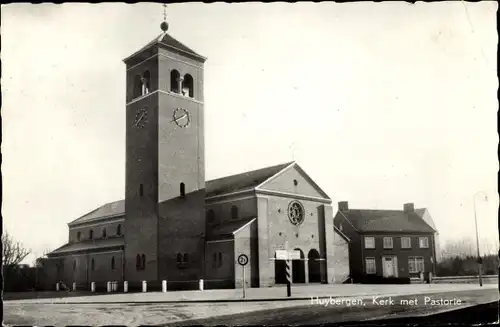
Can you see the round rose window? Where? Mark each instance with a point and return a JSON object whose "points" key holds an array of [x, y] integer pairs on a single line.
{"points": [[296, 212]]}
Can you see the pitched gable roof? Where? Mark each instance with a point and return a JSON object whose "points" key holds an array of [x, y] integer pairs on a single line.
{"points": [[228, 229], [89, 245], [112, 209], [387, 221], [242, 182]]}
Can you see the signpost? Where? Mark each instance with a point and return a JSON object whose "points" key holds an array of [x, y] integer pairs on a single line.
{"points": [[243, 260]]}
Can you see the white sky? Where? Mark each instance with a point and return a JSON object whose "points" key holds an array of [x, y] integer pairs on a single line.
{"points": [[381, 103]]}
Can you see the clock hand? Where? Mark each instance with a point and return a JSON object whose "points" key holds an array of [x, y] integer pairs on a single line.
{"points": [[140, 118], [178, 118]]}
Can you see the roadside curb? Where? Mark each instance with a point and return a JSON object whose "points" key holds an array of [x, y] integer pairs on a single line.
{"points": [[241, 300]]}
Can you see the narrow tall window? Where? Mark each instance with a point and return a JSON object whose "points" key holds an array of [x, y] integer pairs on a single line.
{"points": [[186, 258], [187, 86], [137, 91], [210, 216], [78, 235], [220, 260], [179, 258], [91, 234], [183, 189], [138, 262], [92, 265], [145, 82], [143, 262], [214, 260], [174, 81], [104, 233], [74, 265], [234, 212], [113, 263], [119, 230], [141, 190]]}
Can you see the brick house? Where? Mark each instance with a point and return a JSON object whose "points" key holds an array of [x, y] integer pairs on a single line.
{"points": [[172, 224], [389, 243]]}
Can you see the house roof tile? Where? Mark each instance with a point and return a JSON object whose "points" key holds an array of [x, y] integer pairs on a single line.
{"points": [[387, 221]]}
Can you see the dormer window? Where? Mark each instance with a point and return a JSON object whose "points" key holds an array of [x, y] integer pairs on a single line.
{"points": [[174, 81], [187, 86]]}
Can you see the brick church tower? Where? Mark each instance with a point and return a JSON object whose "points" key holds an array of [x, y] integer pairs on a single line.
{"points": [[165, 167]]}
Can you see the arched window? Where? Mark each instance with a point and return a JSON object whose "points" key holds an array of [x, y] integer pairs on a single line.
{"points": [[119, 230], [137, 92], [187, 86], [174, 81], [210, 216], [113, 263], [78, 236], [74, 265], [183, 189], [186, 257], [92, 264], [234, 212], [145, 82], [91, 234], [143, 262], [138, 262], [104, 233]]}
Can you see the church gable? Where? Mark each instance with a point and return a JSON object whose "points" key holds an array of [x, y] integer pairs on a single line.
{"points": [[293, 180]]}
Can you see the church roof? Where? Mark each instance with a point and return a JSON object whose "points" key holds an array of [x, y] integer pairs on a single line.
{"points": [[227, 229], [235, 183], [387, 221], [241, 182], [97, 244], [109, 210], [170, 42]]}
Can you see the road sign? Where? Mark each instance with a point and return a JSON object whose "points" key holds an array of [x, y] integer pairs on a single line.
{"points": [[294, 255], [242, 259], [281, 255]]}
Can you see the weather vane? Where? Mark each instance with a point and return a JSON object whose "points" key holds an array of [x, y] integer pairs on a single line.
{"points": [[164, 25]]}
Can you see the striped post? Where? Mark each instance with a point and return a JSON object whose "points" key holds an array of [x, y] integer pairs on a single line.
{"points": [[288, 278]]}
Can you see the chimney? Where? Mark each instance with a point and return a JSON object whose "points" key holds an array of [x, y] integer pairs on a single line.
{"points": [[343, 206], [409, 207]]}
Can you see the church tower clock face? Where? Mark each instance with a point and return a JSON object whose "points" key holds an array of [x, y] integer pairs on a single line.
{"points": [[181, 117], [141, 118]]}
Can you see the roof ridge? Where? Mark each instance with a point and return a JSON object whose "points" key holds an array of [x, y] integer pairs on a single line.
{"points": [[251, 171]]}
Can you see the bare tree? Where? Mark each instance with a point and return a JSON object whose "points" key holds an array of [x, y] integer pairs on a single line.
{"points": [[39, 260], [12, 252]]}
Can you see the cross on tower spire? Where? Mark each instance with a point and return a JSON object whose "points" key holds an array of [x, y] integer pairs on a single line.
{"points": [[164, 24]]}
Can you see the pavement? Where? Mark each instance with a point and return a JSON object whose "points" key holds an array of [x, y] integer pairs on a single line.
{"points": [[299, 292]]}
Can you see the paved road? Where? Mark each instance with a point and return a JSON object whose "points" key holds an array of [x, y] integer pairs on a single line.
{"points": [[367, 310], [268, 312]]}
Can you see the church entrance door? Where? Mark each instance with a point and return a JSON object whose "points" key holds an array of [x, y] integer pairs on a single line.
{"points": [[298, 269], [314, 266]]}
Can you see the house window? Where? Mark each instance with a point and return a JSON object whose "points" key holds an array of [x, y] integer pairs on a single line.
{"points": [[174, 81], [92, 264], [415, 264], [369, 242], [141, 190], [187, 86], [104, 233], [388, 243], [78, 236], [113, 263], [424, 242], [183, 189], [370, 266], [234, 212], [119, 230], [91, 234], [405, 242], [210, 216]]}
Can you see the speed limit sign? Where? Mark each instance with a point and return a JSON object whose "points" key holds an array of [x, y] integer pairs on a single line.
{"points": [[242, 259]]}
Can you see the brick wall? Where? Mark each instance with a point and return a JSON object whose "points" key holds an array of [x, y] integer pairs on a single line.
{"points": [[220, 272], [110, 226]]}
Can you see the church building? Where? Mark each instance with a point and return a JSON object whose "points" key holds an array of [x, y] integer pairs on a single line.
{"points": [[172, 224]]}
